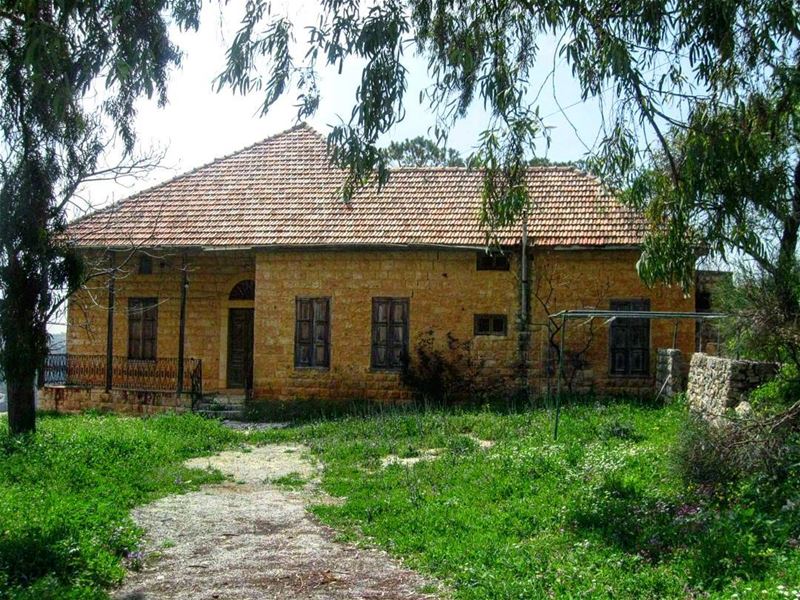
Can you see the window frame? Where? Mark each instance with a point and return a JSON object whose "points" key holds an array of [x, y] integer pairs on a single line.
{"points": [[491, 332], [392, 301], [138, 308], [492, 261], [635, 304], [145, 266], [326, 344]]}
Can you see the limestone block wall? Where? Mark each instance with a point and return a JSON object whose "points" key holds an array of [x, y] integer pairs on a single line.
{"points": [[717, 384], [445, 292], [79, 399], [572, 279]]}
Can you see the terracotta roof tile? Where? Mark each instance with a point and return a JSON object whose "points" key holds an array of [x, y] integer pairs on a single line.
{"points": [[282, 191]]}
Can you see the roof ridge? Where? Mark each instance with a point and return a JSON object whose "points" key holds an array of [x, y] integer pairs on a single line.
{"points": [[114, 205]]}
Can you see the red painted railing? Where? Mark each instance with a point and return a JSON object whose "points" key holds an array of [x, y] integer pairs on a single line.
{"points": [[89, 370]]}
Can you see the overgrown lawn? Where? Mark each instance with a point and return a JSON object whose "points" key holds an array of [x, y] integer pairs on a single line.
{"points": [[602, 512], [492, 505]]}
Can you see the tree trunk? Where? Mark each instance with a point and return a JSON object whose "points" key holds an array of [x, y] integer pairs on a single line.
{"points": [[21, 406], [786, 272], [25, 341]]}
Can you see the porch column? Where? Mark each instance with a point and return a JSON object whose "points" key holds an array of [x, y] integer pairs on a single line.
{"points": [[523, 331], [182, 326], [110, 324]]}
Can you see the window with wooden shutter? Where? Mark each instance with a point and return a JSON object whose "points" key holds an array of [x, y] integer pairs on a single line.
{"points": [[389, 333], [142, 328], [312, 333], [629, 346]]}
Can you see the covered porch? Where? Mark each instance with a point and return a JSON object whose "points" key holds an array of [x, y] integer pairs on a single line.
{"points": [[159, 326]]}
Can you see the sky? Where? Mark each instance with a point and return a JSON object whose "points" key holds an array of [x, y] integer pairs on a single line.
{"points": [[199, 124]]}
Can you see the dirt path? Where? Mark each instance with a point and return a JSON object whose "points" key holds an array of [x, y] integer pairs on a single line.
{"points": [[250, 538]]}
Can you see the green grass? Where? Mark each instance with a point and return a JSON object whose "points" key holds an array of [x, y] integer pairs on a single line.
{"points": [[600, 513], [290, 481], [66, 493]]}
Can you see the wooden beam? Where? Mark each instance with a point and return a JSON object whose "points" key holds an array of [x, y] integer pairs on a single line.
{"points": [[110, 324], [182, 329]]}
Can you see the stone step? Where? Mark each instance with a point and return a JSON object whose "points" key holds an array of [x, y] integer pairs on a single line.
{"points": [[220, 414], [225, 400], [216, 406]]}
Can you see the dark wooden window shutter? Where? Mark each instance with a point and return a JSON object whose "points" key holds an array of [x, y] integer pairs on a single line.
{"points": [[312, 333], [629, 344], [145, 264], [389, 333], [142, 328]]}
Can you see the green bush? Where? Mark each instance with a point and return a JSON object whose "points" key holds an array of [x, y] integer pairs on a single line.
{"points": [[779, 393]]}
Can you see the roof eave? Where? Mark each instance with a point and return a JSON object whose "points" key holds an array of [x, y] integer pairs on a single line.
{"points": [[353, 246]]}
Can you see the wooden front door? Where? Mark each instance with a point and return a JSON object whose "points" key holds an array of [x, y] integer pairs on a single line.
{"points": [[240, 348]]}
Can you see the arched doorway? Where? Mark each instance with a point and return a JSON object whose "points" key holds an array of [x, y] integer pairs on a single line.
{"points": [[240, 336]]}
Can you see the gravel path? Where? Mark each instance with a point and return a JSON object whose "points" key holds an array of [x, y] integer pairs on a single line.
{"points": [[251, 538]]}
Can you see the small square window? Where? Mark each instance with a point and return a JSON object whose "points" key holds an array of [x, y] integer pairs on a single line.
{"points": [[491, 325], [492, 261], [145, 265]]}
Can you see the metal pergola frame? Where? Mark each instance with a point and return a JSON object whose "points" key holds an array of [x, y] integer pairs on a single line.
{"points": [[609, 316]]}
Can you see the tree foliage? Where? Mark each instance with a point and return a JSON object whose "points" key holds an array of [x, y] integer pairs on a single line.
{"points": [[56, 56], [701, 130], [422, 152]]}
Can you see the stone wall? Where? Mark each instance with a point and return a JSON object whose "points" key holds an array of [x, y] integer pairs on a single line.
{"points": [[78, 399], [445, 292], [444, 289], [717, 384], [571, 279], [670, 372]]}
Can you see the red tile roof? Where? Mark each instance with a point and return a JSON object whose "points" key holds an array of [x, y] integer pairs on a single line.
{"points": [[283, 192]]}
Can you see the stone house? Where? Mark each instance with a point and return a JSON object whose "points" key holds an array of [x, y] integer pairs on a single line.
{"points": [[251, 275]]}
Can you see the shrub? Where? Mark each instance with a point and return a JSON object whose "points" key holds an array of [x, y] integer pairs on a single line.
{"points": [[622, 430], [706, 454], [445, 374], [779, 393], [721, 454]]}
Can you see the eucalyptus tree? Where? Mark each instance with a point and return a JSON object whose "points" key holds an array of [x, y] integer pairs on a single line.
{"points": [[57, 57], [700, 105]]}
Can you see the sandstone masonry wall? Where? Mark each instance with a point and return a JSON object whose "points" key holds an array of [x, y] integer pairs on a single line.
{"points": [[75, 400], [591, 279], [445, 292]]}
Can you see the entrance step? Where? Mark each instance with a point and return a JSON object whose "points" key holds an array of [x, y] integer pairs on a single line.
{"points": [[220, 407], [224, 415]]}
